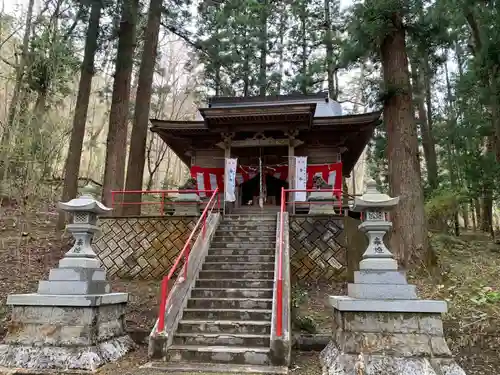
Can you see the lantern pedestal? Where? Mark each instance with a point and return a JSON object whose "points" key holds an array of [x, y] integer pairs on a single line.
{"points": [[317, 207], [188, 204], [73, 322], [381, 327]]}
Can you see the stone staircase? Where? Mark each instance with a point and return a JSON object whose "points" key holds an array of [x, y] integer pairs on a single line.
{"points": [[226, 326]]}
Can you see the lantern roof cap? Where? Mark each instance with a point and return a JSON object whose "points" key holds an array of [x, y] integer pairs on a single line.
{"points": [[86, 202], [373, 198]]}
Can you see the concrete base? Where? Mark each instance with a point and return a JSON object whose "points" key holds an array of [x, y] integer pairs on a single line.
{"points": [[335, 362], [388, 343], [88, 358], [187, 209], [65, 332]]}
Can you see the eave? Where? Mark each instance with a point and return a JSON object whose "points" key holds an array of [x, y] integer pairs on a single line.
{"points": [[299, 116]]}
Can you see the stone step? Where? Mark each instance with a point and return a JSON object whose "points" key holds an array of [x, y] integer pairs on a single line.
{"points": [[244, 244], [245, 230], [235, 283], [230, 303], [246, 234], [264, 251], [216, 368], [239, 258], [226, 326], [249, 217], [227, 314], [236, 274], [246, 237], [232, 293], [249, 223], [221, 338], [254, 226], [219, 354], [244, 266]]}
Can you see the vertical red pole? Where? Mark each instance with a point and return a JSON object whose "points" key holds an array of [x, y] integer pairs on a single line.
{"points": [[204, 229], [162, 204], [279, 308], [163, 305], [186, 260]]}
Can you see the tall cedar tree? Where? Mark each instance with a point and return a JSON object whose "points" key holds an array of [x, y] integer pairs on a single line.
{"points": [[137, 153], [72, 166], [116, 146]]}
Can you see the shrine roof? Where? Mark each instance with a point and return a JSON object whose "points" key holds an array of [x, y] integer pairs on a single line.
{"points": [[316, 117], [340, 123]]}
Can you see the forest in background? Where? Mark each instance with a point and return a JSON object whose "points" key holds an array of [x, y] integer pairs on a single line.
{"points": [[80, 79]]}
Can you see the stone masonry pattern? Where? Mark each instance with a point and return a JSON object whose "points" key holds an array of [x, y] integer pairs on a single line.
{"points": [[317, 248], [142, 247], [146, 247]]}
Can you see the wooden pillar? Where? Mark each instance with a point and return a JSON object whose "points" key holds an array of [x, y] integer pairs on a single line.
{"points": [[291, 168]]}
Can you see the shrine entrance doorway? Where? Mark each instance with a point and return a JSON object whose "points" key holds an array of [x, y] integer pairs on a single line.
{"points": [[266, 162], [271, 190]]}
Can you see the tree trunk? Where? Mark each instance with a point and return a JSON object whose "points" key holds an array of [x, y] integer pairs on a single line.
{"points": [[330, 66], [72, 166], [12, 115], [137, 153], [473, 215], [281, 51], [303, 72], [263, 50], [116, 146], [465, 214], [487, 212], [427, 140], [409, 237]]}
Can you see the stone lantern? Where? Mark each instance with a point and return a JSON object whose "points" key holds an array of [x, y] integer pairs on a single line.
{"points": [[381, 327], [85, 211], [378, 264], [81, 324], [375, 206]]}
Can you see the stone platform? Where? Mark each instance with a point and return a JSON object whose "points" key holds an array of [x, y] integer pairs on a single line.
{"points": [[381, 327], [78, 333]]}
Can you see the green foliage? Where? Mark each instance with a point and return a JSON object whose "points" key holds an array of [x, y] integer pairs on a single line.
{"points": [[442, 206], [486, 295], [302, 323], [306, 323]]}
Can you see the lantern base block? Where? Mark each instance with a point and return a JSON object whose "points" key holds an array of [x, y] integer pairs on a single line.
{"points": [[344, 303], [383, 292], [382, 264], [379, 277]]}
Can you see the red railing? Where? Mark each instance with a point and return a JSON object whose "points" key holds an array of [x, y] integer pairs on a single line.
{"points": [[163, 198], [279, 283], [338, 195], [184, 254]]}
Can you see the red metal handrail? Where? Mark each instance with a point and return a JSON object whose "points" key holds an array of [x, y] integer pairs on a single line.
{"points": [[163, 194], [279, 283], [184, 254]]}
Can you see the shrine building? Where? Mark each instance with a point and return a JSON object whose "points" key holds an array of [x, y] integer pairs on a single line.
{"points": [[267, 136]]}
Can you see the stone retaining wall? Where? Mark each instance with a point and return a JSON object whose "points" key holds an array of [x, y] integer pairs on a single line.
{"points": [[142, 247], [317, 248], [146, 247]]}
